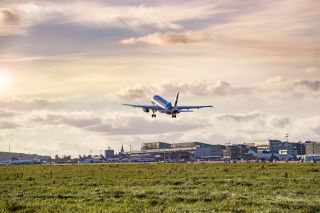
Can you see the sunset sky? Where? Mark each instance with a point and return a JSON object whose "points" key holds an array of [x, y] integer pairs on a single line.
{"points": [[67, 66]]}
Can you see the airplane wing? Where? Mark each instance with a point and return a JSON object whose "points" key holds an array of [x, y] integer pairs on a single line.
{"points": [[192, 107], [185, 110], [150, 107]]}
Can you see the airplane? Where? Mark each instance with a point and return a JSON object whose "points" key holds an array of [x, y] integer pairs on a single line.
{"points": [[268, 156], [142, 159], [163, 106], [35, 160], [94, 159], [109, 159], [5, 162]]}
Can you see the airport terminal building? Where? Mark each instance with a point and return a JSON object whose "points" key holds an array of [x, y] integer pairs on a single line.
{"points": [[162, 151]]}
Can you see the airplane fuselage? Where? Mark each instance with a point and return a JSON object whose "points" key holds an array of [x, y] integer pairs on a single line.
{"points": [[165, 105]]}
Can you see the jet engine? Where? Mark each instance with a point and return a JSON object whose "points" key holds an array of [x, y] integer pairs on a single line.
{"points": [[146, 110]]}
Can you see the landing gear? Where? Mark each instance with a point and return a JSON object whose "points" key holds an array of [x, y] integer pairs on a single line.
{"points": [[174, 116], [153, 114]]}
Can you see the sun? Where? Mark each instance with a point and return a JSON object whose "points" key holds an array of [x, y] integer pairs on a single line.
{"points": [[4, 80]]}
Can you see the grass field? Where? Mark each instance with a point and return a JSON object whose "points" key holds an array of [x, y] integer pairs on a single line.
{"points": [[281, 187]]}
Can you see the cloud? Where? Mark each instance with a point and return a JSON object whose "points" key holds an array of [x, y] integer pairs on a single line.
{"points": [[16, 18], [8, 17], [102, 15], [278, 121], [167, 39], [115, 125], [27, 105], [313, 85], [8, 125], [240, 117], [10, 22], [197, 87], [313, 69], [252, 125], [264, 119], [276, 87], [308, 126], [7, 114], [280, 37], [315, 122], [78, 121], [134, 92]]}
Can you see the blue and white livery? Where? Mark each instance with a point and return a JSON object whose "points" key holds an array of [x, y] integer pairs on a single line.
{"points": [[163, 106]]}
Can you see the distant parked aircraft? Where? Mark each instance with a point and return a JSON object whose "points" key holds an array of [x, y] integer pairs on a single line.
{"points": [[35, 160], [142, 159], [94, 159], [5, 162], [269, 156], [163, 106]]}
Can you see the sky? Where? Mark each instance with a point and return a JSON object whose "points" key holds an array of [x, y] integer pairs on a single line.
{"points": [[67, 68]]}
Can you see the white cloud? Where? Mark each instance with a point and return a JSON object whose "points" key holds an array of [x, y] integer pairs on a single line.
{"points": [[6, 114], [308, 126], [240, 117], [255, 121], [17, 17], [167, 39], [313, 69], [280, 37], [29, 105], [114, 124], [135, 128], [8, 125], [135, 92], [276, 87], [257, 125]]}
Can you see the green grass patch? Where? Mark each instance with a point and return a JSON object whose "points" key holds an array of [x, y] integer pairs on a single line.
{"points": [[282, 187]]}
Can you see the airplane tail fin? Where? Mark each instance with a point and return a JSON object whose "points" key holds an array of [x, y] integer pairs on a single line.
{"points": [[103, 157], [176, 100]]}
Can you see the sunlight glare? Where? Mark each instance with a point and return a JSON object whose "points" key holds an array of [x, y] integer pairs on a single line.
{"points": [[4, 80]]}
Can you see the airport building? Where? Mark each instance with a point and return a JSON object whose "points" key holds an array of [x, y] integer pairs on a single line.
{"points": [[237, 152], [109, 153], [162, 151], [231, 152], [312, 147], [294, 149], [155, 145], [217, 150], [275, 146], [263, 146], [15, 155], [269, 146], [279, 147], [300, 148]]}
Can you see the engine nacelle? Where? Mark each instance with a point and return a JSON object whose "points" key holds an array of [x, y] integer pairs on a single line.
{"points": [[146, 110]]}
